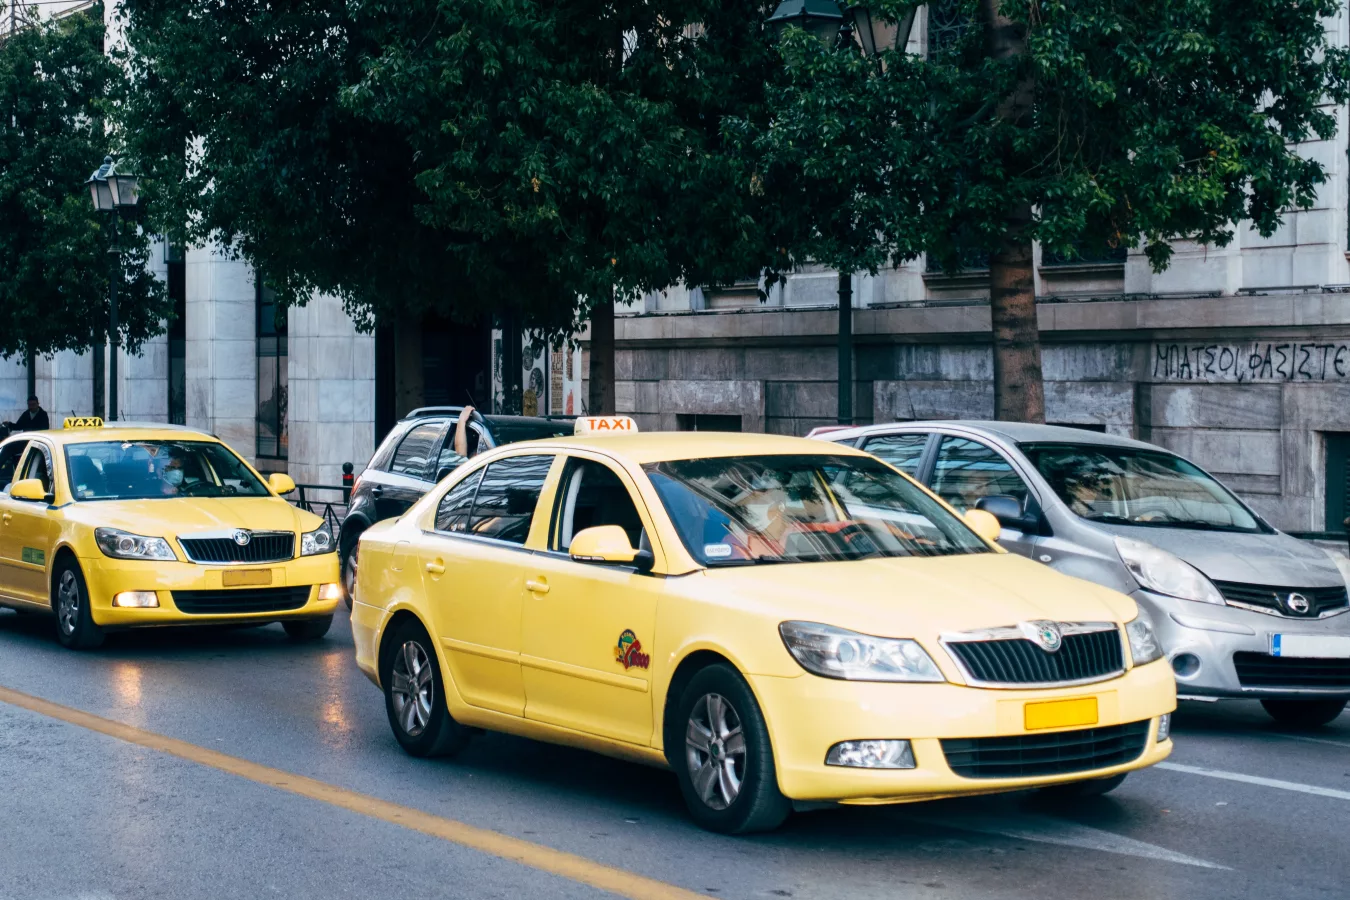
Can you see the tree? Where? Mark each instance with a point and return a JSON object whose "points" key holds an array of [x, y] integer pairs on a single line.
{"points": [[55, 261]]}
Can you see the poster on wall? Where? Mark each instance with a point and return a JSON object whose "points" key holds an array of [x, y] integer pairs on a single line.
{"points": [[550, 377]]}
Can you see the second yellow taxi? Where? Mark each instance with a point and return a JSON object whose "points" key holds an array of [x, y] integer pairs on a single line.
{"points": [[775, 619], [127, 526]]}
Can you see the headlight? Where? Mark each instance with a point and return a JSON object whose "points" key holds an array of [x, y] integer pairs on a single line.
{"points": [[837, 653], [1144, 646], [1157, 570], [125, 545], [320, 540]]}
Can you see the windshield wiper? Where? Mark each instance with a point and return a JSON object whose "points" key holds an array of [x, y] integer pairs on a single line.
{"points": [[1188, 524]]}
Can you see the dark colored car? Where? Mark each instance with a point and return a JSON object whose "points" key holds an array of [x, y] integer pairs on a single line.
{"points": [[418, 452]]}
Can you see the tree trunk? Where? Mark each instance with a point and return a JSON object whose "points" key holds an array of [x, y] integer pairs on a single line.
{"points": [[1019, 389], [600, 401]]}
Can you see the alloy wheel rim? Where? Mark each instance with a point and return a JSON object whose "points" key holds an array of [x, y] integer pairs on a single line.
{"points": [[715, 751], [67, 602], [413, 688]]}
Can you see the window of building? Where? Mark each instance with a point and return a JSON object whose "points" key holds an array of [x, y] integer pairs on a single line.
{"points": [[1337, 481], [272, 376], [705, 422], [177, 285]]}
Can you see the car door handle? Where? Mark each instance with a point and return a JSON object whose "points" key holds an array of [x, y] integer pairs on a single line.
{"points": [[436, 568], [6, 517], [376, 491], [536, 586]]}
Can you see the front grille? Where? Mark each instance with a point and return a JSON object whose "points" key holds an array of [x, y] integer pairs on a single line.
{"points": [[1081, 657], [241, 600], [1265, 671], [1320, 600], [1057, 753], [263, 547]]}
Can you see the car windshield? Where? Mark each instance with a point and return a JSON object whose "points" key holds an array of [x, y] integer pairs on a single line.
{"points": [[141, 470], [1128, 486], [772, 509]]}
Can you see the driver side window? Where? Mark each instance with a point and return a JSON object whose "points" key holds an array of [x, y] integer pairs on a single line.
{"points": [[967, 470], [592, 494], [36, 465], [9, 460]]}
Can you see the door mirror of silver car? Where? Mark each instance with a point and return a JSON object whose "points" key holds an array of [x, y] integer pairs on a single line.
{"points": [[1009, 513]]}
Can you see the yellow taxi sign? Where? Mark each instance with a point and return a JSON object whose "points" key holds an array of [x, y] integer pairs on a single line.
{"points": [[605, 425], [82, 422]]}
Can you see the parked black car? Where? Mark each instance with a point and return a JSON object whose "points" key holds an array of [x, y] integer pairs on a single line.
{"points": [[418, 452]]}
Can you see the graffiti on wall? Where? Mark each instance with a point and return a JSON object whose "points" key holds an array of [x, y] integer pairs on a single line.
{"points": [[1258, 361]]}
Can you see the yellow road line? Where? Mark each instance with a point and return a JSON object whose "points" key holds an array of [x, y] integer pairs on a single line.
{"points": [[536, 856]]}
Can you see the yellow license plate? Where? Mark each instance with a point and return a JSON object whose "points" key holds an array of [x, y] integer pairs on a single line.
{"points": [[246, 578], [1060, 713]]}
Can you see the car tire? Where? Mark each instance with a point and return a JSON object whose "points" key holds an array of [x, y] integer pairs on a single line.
{"points": [[730, 786], [75, 626], [414, 695], [307, 629], [1312, 713], [348, 559], [1083, 790]]}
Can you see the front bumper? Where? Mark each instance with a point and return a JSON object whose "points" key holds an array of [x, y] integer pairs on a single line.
{"points": [[807, 715], [105, 577], [1212, 634]]}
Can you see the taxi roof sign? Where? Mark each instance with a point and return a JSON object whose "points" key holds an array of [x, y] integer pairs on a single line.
{"points": [[587, 425], [82, 422]]}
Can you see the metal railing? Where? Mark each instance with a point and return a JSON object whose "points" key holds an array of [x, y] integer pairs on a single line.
{"points": [[331, 504]]}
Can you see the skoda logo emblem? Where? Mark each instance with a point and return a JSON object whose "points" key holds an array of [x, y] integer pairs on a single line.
{"points": [[1044, 634], [1298, 604], [242, 538]]}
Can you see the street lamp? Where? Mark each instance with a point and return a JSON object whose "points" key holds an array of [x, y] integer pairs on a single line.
{"points": [[117, 193], [824, 20]]}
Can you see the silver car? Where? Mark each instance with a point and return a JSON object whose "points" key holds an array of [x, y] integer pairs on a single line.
{"points": [[1242, 609]]}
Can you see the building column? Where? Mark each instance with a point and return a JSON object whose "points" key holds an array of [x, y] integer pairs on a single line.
{"points": [[221, 358]]}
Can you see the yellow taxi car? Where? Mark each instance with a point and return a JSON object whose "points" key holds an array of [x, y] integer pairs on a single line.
{"points": [[775, 619], [126, 526]]}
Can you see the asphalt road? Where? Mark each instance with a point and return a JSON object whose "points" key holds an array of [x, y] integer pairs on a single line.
{"points": [[89, 814]]}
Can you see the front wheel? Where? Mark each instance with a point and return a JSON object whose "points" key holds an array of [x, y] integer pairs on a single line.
{"points": [[307, 629], [723, 758], [1082, 790], [75, 626], [1305, 713], [414, 698]]}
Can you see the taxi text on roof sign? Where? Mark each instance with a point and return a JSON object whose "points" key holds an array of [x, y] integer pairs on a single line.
{"points": [[82, 422], [605, 425]]}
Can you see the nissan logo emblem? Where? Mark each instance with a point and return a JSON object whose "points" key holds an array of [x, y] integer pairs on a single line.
{"points": [[1298, 603]]}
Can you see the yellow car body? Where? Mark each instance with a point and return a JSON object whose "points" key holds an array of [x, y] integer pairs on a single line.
{"points": [[55, 530], [532, 641]]}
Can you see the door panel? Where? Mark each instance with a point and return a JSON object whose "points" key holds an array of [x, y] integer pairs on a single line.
{"points": [[29, 530]]}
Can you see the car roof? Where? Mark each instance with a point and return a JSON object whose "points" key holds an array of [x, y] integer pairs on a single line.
{"points": [[1016, 432], [121, 431], [660, 446]]}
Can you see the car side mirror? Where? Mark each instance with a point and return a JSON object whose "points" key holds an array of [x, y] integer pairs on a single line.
{"points": [[28, 489], [984, 524], [281, 482], [1008, 511], [608, 545]]}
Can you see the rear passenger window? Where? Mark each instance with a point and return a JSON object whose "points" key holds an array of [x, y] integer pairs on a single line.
{"points": [[414, 452], [904, 451], [452, 515], [507, 497]]}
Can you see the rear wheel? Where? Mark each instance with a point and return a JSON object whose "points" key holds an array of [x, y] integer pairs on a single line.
{"points": [[1305, 713], [414, 697], [1082, 790], [723, 758], [75, 626], [307, 629]]}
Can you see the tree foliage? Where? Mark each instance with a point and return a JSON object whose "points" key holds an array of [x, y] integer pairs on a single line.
{"points": [[55, 262]]}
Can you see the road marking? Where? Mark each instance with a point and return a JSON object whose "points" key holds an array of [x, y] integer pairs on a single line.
{"points": [[1308, 740], [1050, 830], [1258, 780], [536, 856]]}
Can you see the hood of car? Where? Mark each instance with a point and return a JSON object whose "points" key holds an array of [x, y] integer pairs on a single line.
{"points": [[1271, 559], [185, 516], [919, 597]]}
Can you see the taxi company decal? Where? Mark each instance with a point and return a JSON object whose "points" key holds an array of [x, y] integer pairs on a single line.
{"points": [[629, 651], [34, 556]]}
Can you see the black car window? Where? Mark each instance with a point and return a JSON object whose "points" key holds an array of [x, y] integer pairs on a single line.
{"points": [[414, 451], [592, 494], [507, 496], [9, 458], [452, 513], [967, 470], [904, 451], [447, 458]]}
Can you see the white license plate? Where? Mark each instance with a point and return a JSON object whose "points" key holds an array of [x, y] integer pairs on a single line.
{"points": [[1321, 646]]}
